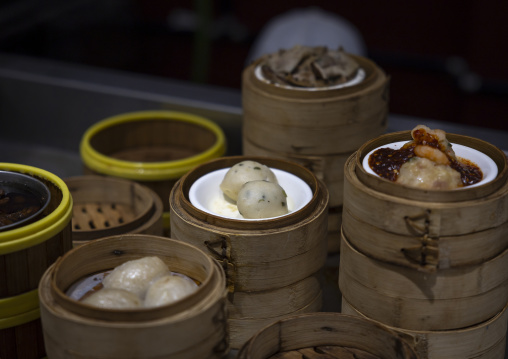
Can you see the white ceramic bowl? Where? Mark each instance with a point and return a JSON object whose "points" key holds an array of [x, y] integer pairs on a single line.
{"points": [[360, 76], [486, 164], [206, 195]]}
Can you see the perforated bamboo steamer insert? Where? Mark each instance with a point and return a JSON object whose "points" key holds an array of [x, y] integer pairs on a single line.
{"points": [[154, 148], [318, 129], [106, 206], [277, 262], [25, 253], [330, 335], [194, 327], [424, 260]]}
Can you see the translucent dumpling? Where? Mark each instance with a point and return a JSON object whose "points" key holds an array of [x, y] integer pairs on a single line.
{"points": [[169, 289], [113, 299], [135, 275], [261, 199], [243, 172]]}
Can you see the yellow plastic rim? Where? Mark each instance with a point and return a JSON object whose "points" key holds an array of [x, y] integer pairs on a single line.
{"points": [[20, 319], [149, 171], [34, 233], [19, 304]]}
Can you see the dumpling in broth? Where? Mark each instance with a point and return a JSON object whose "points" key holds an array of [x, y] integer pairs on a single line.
{"points": [[113, 299], [242, 173], [135, 275], [169, 289], [261, 199]]}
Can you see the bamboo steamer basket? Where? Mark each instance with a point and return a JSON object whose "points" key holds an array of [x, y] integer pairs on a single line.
{"points": [[427, 260], [194, 327], [106, 206], [318, 129], [25, 253], [261, 265], [154, 148], [486, 340], [330, 335]]}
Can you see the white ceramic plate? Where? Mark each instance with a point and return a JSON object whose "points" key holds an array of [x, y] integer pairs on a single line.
{"points": [[360, 76], [486, 164], [206, 195]]}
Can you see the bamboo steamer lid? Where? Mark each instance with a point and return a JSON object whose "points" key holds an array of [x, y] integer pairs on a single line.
{"points": [[486, 340], [194, 327], [275, 261], [106, 206], [330, 335]]}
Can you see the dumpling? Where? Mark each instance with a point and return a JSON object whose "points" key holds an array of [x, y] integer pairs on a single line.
{"points": [[113, 299], [168, 289], [424, 173], [261, 199], [135, 275], [242, 173]]}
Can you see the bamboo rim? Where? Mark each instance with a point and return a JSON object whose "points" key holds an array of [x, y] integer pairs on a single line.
{"points": [[76, 264], [292, 333], [85, 184], [37, 232], [306, 175], [403, 191], [371, 74], [149, 171]]}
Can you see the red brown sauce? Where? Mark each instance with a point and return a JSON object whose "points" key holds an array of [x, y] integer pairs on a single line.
{"points": [[386, 162]]}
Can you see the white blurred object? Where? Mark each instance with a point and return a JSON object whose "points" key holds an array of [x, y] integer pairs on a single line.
{"points": [[309, 27]]}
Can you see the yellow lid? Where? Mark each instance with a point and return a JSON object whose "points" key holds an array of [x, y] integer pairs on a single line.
{"points": [[39, 231], [149, 171]]}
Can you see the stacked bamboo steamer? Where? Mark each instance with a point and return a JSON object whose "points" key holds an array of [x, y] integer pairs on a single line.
{"points": [[26, 252], [273, 266], [193, 327], [432, 265], [318, 128]]}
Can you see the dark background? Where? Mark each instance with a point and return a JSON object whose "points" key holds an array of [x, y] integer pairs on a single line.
{"points": [[447, 59]]}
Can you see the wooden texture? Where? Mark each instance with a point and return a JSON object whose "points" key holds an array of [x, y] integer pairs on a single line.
{"points": [[105, 206], [393, 223], [151, 141], [406, 298], [22, 341], [192, 328], [485, 340], [274, 263], [314, 122], [304, 331]]}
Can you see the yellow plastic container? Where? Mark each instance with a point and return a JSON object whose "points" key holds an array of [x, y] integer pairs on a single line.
{"points": [[154, 148], [26, 252]]}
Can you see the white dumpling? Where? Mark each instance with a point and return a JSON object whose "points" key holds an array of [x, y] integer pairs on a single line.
{"points": [[135, 275], [242, 173], [168, 289], [113, 299], [261, 199]]}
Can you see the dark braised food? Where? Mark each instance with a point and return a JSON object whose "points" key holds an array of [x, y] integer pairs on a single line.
{"points": [[428, 161], [15, 206]]}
